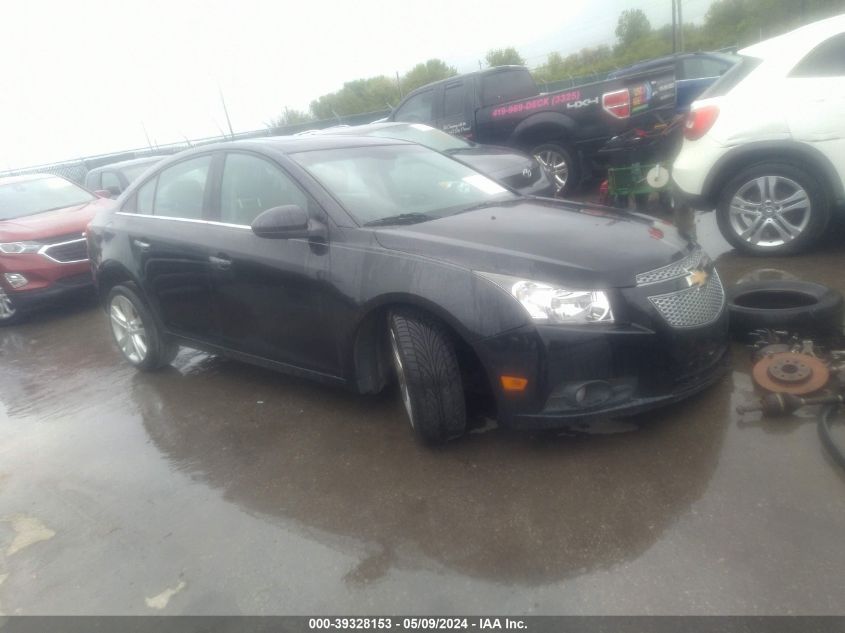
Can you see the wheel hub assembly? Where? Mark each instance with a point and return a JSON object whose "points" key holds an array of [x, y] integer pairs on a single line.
{"points": [[789, 372]]}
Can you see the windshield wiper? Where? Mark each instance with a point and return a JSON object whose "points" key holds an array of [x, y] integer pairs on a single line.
{"points": [[402, 218]]}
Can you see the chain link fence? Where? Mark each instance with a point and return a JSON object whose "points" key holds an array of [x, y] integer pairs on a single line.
{"points": [[75, 170]]}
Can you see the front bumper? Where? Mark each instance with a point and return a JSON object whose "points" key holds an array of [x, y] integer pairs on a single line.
{"points": [[636, 364], [59, 290]]}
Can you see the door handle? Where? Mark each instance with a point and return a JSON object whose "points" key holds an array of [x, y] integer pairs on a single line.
{"points": [[220, 263], [144, 246]]}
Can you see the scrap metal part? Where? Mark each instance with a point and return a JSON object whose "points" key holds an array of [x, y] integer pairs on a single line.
{"points": [[789, 372]]}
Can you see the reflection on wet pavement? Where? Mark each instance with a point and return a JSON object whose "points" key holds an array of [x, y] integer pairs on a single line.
{"points": [[217, 487]]}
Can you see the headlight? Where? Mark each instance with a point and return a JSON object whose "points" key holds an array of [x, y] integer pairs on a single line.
{"points": [[16, 248], [548, 303]]}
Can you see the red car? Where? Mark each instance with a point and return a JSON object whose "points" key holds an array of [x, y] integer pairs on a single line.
{"points": [[43, 254]]}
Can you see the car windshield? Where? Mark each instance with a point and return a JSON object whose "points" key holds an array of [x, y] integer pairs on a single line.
{"points": [[424, 135], [28, 197], [410, 183]]}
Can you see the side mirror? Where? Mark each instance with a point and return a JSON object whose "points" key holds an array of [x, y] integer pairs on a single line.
{"points": [[104, 193], [283, 222]]}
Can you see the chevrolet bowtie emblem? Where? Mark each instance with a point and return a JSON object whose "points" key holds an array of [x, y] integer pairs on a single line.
{"points": [[697, 277]]}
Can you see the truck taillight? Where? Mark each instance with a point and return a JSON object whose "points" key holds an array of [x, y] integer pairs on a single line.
{"points": [[617, 103], [699, 122]]}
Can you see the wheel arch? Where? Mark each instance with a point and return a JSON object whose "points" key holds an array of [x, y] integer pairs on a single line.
{"points": [[111, 274], [746, 156], [370, 366], [541, 128]]}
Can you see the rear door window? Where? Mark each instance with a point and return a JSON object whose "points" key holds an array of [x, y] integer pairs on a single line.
{"points": [[453, 100], [181, 189]]}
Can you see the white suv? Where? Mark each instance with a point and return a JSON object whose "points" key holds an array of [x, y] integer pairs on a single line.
{"points": [[765, 144]]}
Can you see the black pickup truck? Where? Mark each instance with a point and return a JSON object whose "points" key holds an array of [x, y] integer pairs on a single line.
{"points": [[564, 129]]}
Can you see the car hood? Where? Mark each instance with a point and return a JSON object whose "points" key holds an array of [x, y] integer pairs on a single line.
{"points": [[582, 246], [53, 223], [494, 161]]}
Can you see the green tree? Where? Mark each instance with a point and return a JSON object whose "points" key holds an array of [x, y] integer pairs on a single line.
{"points": [[422, 74], [632, 26], [360, 95], [290, 116], [504, 57]]}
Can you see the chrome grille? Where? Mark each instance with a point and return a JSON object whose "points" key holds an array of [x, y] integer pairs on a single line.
{"points": [[675, 270], [67, 252], [692, 307]]}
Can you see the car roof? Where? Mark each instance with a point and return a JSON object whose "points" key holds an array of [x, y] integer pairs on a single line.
{"points": [[364, 129], [8, 180], [796, 44], [317, 142], [128, 163]]}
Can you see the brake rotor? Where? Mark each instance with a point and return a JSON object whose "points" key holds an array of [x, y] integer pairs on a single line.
{"points": [[788, 372]]}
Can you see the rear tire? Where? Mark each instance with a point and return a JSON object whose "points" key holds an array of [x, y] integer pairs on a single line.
{"points": [[561, 161], [429, 377], [137, 334], [773, 209]]}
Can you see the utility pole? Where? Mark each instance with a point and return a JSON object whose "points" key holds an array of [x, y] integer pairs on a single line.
{"points": [[674, 27], [399, 85], [226, 112], [680, 27]]}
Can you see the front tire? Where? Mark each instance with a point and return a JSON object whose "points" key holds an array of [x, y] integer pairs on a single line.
{"points": [[773, 209], [562, 165], [137, 334], [429, 377]]}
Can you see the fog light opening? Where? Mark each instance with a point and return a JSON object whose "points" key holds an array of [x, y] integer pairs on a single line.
{"points": [[16, 280], [589, 394]]}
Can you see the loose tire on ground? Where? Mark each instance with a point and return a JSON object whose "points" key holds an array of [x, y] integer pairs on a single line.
{"points": [[428, 374], [151, 348], [802, 307], [743, 189], [562, 163]]}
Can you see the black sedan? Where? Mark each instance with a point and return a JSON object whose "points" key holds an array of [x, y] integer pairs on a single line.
{"points": [[355, 261], [519, 171]]}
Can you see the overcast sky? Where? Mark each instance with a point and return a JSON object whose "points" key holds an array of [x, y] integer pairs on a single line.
{"points": [[86, 77]]}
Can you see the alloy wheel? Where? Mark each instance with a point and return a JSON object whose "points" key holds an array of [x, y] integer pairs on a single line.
{"points": [[7, 310], [128, 329], [400, 374], [556, 164], [770, 211]]}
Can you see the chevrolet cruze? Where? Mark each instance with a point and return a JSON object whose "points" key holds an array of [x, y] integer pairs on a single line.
{"points": [[360, 261]]}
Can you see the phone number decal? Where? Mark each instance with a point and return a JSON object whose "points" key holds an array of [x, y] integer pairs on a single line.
{"points": [[537, 103]]}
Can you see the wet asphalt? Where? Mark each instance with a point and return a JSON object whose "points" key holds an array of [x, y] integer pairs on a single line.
{"points": [[219, 488]]}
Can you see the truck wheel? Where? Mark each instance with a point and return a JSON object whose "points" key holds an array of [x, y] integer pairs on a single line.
{"points": [[429, 378], [561, 163], [773, 209], [136, 332]]}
